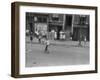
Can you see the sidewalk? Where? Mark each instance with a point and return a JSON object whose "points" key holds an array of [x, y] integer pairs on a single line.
{"points": [[60, 43], [69, 43]]}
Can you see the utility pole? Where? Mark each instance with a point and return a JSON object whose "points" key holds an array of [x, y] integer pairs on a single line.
{"points": [[80, 35], [73, 17], [64, 19]]}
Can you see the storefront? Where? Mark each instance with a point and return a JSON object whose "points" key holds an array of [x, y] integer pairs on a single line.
{"points": [[80, 27], [38, 22], [72, 26]]}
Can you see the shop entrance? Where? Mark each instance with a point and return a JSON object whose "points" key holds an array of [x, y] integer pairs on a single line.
{"points": [[57, 29], [68, 26], [84, 32]]}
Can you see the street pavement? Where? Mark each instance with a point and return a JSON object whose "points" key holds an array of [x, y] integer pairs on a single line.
{"points": [[60, 53]]}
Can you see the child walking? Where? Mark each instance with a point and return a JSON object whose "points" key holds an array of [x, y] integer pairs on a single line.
{"points": [[47, 45]]}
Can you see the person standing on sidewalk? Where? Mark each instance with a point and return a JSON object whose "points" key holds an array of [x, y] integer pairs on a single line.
{"points": [[31, 32], [85, 40], [39, 36], [31, 36]]}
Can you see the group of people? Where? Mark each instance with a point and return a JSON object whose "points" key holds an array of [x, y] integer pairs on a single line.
{"points": [[42, 37]]}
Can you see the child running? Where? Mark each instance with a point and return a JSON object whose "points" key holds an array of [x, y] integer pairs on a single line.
{"points": [[47, 45]]}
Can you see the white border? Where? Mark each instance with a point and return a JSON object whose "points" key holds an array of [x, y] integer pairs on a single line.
{"points": [[36, 70]]}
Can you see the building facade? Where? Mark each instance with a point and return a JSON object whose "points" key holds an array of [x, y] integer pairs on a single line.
{"points": [[75, 27]]}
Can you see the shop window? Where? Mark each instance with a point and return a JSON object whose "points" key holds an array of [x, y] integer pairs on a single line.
{"points": [[41, 19], [83, 20]]}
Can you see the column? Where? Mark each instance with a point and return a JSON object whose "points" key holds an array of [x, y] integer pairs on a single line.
{"points": [[73, 16], [64, 20]]}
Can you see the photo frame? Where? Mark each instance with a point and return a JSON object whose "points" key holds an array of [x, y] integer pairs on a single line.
{"points": [[53, 39]]}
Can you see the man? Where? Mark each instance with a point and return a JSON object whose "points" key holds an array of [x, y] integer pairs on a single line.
{"points": [[85, 40], [31, 36], [39, 36]]}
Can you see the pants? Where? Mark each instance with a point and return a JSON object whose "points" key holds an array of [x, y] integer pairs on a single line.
{"points": [[31, 38]]}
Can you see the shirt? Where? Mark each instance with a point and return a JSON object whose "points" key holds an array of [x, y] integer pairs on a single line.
{"points": [[47, 42]]}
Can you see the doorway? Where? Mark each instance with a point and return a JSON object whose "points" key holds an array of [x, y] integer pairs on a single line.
{"points": [[56, 28], [59, 28], [68, 26]]}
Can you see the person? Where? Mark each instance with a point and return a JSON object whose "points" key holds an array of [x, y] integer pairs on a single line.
{"points": [[31, 36], [71, 35], [55, 35], [31, 31], [85, 40], [47, 45], [39, 37], [36, 34], [61, 34], [52, 34]]}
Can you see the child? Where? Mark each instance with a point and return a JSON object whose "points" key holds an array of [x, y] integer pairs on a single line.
{"points": [[47, 45]]}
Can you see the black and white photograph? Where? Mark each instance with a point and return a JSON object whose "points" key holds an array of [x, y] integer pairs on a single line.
{"points": [[57, 39], [51, 39]]}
